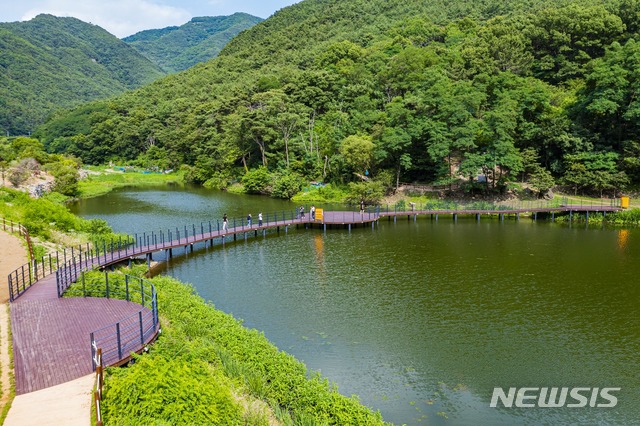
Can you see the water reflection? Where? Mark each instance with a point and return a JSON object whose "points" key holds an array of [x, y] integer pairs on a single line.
{"points": [[623, 239], [422, 320], [318, 244]]}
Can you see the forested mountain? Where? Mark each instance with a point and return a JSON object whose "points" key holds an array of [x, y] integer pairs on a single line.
{"points": [[49, 63], [178, 48], [541, 90]]}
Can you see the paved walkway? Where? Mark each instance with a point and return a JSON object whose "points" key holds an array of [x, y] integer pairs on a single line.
{"points": [[68, 404]]}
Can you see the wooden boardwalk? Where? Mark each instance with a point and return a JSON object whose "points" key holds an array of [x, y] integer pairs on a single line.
{"points": [[147, 244], [51, 335], [513, 211], [51, 341], [353, 218]]}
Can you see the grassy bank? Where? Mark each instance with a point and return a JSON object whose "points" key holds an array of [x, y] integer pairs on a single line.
{"points": [[100, 181], [51, 225], [629, 217], [206, 368]]}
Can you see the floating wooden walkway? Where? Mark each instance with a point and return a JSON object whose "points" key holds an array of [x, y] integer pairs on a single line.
{"points": [[51, 334], [569, 208]]}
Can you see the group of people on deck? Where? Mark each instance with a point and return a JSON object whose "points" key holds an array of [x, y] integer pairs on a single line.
{"points": [[312, 212], [225, 221], [299, 210]]}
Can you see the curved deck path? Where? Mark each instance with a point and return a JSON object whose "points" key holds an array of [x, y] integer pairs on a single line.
{"points": [[51, 334], [51, 343]]}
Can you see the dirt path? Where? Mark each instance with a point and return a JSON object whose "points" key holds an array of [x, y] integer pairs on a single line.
{"points": [[12, 255]]}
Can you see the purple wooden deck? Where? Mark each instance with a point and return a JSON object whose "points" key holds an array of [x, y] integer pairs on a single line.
{"points": [[560, 209], [51, 342], [355, 217], [345, 217]]}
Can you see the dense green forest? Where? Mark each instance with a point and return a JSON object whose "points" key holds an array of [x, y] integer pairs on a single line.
{"points": [[488, 92], [49, 63], [178, 48]]}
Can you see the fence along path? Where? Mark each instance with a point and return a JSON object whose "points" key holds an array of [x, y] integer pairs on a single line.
{"points": [[146, 244], [50, 332], [52, 335]]}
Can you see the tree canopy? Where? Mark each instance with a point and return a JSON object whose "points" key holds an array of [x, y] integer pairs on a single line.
{"points": [[202, 38], [49, 63], [486, 91]]}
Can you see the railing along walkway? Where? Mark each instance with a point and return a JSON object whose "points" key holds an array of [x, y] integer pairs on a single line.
{"points": [[52, 336], [50, 332], [155, 242], [511, 211]]}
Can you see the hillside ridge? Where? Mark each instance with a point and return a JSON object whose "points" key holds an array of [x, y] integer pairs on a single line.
{"points": [[177, 48]]}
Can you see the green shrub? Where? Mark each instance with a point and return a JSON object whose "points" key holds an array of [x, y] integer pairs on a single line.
{"points": [[326, 194], [371, 192], [65, 172], [39, 217], [217, 181], [286, 186], [257, 181], [626, 217], [96, 227], [171, 391]]}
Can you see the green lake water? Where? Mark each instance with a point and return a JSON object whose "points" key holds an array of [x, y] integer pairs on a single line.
{"points": [[422, 320]]}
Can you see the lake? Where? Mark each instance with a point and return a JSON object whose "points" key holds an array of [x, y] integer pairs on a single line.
{"points": [[421, 320]]}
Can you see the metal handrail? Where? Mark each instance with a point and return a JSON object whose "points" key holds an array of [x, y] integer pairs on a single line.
{"points": [[26, 275], [130, 334], [486, 206]]}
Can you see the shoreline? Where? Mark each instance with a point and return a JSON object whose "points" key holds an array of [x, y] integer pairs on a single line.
{"points": [[157, 266], [328, 402]]}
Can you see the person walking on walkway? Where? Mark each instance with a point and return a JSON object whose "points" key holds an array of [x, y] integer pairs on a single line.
{"points": [[260, 219], [224, 222], [312, 210], [361, 207], [302, 212], [249, 220]]}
